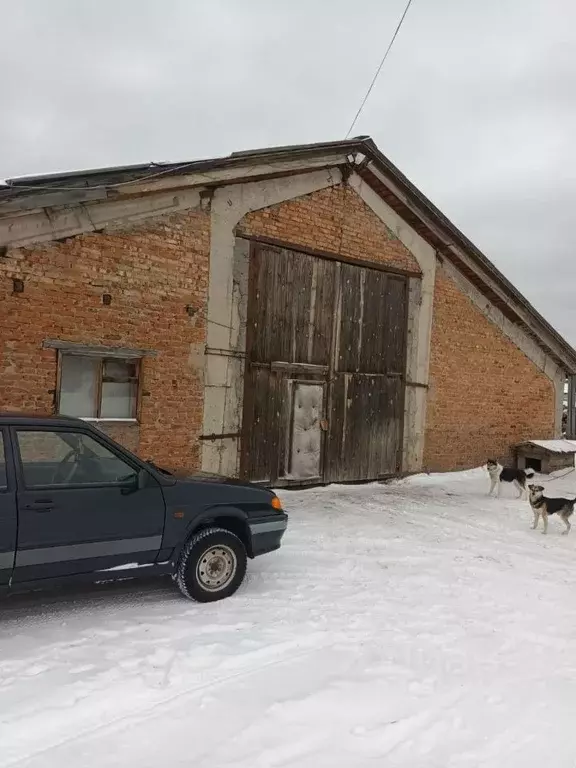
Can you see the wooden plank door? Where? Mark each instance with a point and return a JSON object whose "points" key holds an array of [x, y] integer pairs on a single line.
{"points": [[289, 344], [367, 386]]}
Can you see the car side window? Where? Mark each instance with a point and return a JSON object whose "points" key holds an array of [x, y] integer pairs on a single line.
{"points": [[63, 458], [3, 471]]}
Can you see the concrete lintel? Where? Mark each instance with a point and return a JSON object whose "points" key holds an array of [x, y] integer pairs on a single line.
{"points": [[216, 371], [42, 226], [95, 350], [402, 197], [559, 382], [228, 175], [239, 315], [214, 403], [227, 297], [229, 205], [51, 199], [420, 309]]}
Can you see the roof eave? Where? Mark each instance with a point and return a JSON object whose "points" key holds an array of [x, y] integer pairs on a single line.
{"points": [[118, 174]]}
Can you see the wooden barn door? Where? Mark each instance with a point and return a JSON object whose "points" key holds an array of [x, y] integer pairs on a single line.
{"points": [[288, 337], [324, 376], [366, 406]]}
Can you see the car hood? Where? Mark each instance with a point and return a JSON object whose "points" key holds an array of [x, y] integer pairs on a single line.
{"points": [[208, 477]]}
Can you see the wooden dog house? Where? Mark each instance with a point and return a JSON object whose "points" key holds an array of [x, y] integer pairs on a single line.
{"points": [[545, 456]]}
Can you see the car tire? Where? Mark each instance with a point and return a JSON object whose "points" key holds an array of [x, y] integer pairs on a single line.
{"points": [[212, 565]]}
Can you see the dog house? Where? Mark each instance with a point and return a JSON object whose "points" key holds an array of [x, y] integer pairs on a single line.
{"points": [[545, 456]]}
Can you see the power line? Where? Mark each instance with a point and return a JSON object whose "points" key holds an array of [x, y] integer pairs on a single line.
{"points": [[372, 84], [138, 180]]}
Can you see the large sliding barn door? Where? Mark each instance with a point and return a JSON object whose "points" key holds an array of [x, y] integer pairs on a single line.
{"points": [[324, 377], [289, 336], [367, 387]]}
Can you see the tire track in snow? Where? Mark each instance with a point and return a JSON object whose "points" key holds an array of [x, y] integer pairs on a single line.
{"points": [[142, 714]]}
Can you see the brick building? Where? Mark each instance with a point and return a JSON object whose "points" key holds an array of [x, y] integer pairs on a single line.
{"points": [[287, 314]]}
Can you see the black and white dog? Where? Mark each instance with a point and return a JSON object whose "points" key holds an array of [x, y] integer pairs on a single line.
{"points": [[499, 474], [542, 507]]}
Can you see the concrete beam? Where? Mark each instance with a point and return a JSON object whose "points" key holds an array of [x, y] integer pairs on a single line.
{"points": [[227, 175], [41, 226], [420, 310], [228, 303], [227, 306], [58, 214]]}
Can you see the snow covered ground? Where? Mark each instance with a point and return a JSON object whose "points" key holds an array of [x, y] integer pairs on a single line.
{"points": [[414, 624]]}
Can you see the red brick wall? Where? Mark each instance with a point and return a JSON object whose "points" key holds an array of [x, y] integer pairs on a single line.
{"points": [[335, 220], [485, 394], [152, 272]]}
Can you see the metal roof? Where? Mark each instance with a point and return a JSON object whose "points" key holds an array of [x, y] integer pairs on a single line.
{"points": [[123, 174]]}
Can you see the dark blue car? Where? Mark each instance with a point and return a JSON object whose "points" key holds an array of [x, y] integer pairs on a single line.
{"points": [[76, 505]]}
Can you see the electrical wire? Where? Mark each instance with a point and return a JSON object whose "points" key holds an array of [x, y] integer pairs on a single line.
{"points": [[84, 187], [373, 83]]}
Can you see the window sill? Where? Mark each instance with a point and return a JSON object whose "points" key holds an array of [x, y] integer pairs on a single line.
{"points": [[92, 420]]}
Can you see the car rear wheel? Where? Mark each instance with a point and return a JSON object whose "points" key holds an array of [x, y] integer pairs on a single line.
{"points": [[212, 565]]}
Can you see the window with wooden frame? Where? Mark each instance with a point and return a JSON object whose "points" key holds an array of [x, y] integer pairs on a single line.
{"points": [[91, 387]]}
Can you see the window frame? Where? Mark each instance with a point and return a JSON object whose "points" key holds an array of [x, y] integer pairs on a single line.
{"points": [[101, 360], [6, 438], [66, 486]]}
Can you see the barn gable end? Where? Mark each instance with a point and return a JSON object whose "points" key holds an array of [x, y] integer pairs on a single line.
{"points": [[308, 299]]}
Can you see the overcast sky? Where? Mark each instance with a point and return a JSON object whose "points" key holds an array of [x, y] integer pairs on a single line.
{"points": [[476, 103]]}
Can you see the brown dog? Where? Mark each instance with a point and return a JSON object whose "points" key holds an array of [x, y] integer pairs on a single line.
{"points": [[543, 507]]}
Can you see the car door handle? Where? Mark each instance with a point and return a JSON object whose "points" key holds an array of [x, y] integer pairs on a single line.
{"points": [[41, 505]]}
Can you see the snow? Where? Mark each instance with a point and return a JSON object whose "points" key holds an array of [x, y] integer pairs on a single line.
{"points": [[556, 446], [416, 624]]}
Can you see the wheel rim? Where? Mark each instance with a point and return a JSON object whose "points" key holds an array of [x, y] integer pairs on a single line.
{"points": [[216, 568]]}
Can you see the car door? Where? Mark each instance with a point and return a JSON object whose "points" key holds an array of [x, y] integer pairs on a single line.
{"points": [[8, 519], [82, 505]]}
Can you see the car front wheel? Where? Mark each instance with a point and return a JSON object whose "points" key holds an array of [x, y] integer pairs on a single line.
{"points": [[212, 565]]}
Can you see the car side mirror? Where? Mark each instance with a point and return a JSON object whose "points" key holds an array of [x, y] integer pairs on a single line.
{"points": [[136, 483]]}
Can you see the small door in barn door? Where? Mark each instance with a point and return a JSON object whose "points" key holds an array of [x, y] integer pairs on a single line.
{"points": [[304, 433]]}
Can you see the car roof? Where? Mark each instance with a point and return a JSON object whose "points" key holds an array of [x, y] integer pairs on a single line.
{"points": [[37, 419]]}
